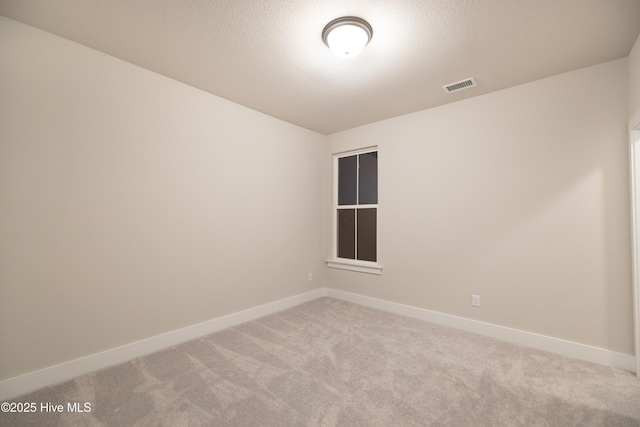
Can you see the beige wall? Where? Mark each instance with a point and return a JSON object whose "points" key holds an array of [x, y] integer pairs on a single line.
{"points": [[519, 196], [634, 78], [132, 205]]}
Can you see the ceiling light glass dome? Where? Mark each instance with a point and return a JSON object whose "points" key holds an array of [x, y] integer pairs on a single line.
{"points": [[347, 36]]}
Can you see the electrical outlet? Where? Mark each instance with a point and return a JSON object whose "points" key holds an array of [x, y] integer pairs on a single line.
{"points": [[310, 277], [475, 300]]}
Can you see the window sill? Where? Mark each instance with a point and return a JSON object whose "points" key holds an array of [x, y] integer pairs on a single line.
{"points": [[353, 265]]}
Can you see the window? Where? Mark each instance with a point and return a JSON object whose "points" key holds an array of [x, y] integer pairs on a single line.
{"points": [[356, 212]]}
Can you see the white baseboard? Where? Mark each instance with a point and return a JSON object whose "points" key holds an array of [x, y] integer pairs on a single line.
{"points": [[22, 384], [516, 336]]}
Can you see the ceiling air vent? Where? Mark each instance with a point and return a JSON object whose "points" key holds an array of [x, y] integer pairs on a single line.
{"points": [[462, 84]]}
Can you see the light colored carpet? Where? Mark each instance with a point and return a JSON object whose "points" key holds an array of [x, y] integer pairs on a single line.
{"points": [[334, 363]]}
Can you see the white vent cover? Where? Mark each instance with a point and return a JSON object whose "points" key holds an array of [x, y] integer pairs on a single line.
{"points": [[462, 84]]}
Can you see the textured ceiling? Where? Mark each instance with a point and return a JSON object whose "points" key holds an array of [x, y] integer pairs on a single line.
{"points": [[268, 54]]}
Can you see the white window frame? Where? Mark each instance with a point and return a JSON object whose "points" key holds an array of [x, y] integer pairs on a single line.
{"points": [[370, 267]]}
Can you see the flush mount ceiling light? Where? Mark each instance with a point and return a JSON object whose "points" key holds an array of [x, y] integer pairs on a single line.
{"points": [[347, 36]]}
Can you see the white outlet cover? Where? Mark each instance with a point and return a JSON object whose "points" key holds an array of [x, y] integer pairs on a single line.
{"points": [[475, 300]]}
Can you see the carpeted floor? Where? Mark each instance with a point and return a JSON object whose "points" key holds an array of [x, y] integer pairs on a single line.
{"points": [[334, 363]]}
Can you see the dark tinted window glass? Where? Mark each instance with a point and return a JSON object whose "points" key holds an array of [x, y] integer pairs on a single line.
{"points": [[347, 180], [367, 234], [347, 233], [368, 178]]}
